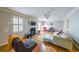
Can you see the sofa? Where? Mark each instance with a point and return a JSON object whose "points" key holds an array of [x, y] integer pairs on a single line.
{"points": [[60, 40]]}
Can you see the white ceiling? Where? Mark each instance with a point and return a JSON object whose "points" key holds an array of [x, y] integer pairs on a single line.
{"points": [[57, 13]]}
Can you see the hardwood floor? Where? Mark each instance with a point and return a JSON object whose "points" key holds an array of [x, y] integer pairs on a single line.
{"points": [[54, 48], [49, 47]]}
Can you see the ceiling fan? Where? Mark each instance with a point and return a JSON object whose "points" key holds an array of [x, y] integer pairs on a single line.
{"points": [[47, 15]]}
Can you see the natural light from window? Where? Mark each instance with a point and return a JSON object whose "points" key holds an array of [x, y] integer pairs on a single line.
{"points": [[17, 24]]}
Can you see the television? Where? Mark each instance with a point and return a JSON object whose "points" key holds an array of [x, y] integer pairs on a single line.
{"points": [[33, 23]]}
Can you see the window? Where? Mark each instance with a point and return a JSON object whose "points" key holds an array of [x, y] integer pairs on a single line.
{"points": [[17, 24]]}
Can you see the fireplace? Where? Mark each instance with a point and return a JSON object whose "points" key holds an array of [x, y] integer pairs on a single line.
{"points": [[33, 30]]}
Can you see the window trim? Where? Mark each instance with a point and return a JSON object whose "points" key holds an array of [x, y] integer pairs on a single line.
{"points": [[18, 18]]}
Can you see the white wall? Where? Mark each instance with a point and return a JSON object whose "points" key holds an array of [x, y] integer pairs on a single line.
{"points": [[58, 24], [6, 28], [73, 27]]}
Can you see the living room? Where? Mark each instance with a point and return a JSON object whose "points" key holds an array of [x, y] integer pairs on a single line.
{"points": [[56, 25]]}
